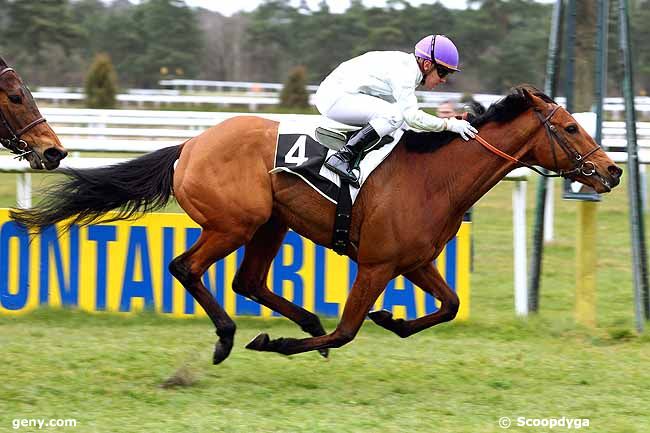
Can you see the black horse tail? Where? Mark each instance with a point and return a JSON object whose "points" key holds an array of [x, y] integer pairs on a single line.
{"points": [[130, 189]]}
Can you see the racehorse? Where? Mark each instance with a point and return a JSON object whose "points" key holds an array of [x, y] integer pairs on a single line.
{"points": [[404, 215], [22, 128]]}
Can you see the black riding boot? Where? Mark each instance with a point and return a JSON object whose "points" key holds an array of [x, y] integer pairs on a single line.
{"points": [[343, 161]]}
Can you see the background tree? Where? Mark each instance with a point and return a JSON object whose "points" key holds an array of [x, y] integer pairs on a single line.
{"points": [[4, 16], [172, 40], [225, 53], [42, 35], [294, 93], [90, 17], [273, 35], [101, 83]]}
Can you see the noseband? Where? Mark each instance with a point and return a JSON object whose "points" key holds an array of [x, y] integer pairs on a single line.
{"points": [[14, 143], [579, 161]]}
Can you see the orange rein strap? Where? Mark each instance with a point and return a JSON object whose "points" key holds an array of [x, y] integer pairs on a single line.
{"points": [[504, 155], [496, 151]]}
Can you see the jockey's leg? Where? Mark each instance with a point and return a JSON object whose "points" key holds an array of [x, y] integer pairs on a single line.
{"points": [[343, 161], [428, 279], [378, 118], [250, 280]]}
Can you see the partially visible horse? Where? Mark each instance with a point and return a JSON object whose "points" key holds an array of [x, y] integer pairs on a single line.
{"points": [[406, 212], [22, 128]]}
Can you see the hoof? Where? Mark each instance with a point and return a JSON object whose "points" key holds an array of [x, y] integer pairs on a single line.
{"points": [[381, 317], [385, 319], [259, 343], [221, 351], [325, 353]]}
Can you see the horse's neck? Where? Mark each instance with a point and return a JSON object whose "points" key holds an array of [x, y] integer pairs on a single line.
{"points": [[477, 169]]}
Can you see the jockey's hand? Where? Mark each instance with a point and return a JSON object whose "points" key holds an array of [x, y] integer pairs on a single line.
{"points": [[462, 127]]}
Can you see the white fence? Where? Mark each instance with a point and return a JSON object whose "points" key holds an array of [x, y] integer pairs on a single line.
{"points": [[255, 95]]}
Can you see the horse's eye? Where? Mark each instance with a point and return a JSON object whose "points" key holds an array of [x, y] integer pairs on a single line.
{"points": [[16, 99], [571, 129]]}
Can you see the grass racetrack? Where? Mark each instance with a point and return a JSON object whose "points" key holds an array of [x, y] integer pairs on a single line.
{"points": [[144, 373]]}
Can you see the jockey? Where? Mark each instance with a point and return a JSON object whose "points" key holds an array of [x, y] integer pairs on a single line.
{"points": [[377, 91]]}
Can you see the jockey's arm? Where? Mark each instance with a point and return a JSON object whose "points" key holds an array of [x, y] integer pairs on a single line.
{"points": [[421, 120], [413, 116], [418, 119]]}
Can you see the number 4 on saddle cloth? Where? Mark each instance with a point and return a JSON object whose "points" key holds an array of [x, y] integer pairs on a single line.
{"points": [[302, 150]]}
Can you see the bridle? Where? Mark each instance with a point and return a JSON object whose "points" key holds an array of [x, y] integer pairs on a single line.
{"points": [[14, 143], [579, 161]]}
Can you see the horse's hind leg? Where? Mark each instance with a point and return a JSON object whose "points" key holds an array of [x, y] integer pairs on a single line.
{"points": [[429, 279], [370, 282], [250, 280], [189, 267]]}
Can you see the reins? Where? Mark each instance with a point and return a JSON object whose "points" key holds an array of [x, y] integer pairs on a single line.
{"points": [[580, 164], [14, 143]]}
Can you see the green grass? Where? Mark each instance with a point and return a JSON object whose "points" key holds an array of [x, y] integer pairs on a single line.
{"points": [[108, 371]]}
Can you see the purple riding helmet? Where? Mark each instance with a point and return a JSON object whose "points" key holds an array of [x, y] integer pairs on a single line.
{"points": [[444, 51]]}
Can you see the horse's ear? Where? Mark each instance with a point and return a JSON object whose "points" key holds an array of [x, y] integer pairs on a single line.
{"points": [[3, 64], [527, 94], [531, 95]]}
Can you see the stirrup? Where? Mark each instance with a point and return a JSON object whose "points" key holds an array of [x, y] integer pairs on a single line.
{"points": [[356, 182], [346, 174], [343, 156]]}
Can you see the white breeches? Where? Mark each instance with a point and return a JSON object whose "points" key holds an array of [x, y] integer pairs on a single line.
{"points": [[359, 109]]}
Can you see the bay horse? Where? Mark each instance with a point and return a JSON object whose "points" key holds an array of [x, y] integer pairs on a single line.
{"points": [[22, 128], [406, 212]]}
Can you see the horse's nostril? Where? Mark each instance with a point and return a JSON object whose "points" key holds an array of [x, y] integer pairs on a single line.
{"points": [[615, 171], [54, 155]]}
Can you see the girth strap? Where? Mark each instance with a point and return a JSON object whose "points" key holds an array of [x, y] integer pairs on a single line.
{"points": [[342, 220]]}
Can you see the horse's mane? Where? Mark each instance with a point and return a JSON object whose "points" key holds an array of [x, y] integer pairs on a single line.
{"points": [[504, 110]]}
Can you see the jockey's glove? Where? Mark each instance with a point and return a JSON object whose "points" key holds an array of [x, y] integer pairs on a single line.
{"points": [[462, 127]]}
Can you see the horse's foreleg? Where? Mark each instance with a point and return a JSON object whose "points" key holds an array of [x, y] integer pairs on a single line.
{"points": [[250, 280], [429, 279], [370, 282], [189, 267]]}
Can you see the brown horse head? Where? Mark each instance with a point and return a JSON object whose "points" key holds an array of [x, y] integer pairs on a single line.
{"points": [[560, 144], [22, 128]]}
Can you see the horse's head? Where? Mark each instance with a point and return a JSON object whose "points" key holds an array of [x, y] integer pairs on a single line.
{"points": [[22, 128], [563, 146]]}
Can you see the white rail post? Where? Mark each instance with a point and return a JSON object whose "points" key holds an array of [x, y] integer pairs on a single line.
{"points": [[24, 190], [549, 210], [519, 233]]}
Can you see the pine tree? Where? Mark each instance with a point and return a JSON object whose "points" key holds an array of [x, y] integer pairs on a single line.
{"points": [[101, 83], [294, 93]]}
